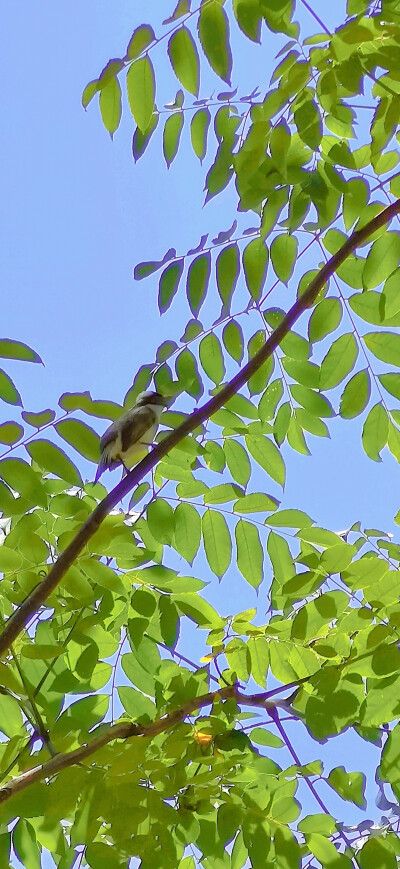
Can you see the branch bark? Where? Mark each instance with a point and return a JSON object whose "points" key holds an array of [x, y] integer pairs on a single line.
{"points": [[19, 619], [127, 730]]}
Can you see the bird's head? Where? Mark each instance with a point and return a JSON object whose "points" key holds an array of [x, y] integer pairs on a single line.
{"points": [[149, 397]]}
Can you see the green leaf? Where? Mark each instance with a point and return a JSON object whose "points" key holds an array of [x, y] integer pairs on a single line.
{"points": [[182, 8], [89, 91], [312, 401], [237, 461], [375, 432], [337, 557], [355, 395], [257, 502], [214, 38], [81, 437], [339, 361], [10, 561], [136, 704], [141, 140], [267, 455], [198, 132], [217, 542], [255, 265], [349, 785], [197, 280], [110, 103], [383, 258], [140, 85], [171, 136], [391, 297], [232, 337], [184, 59], [289, 519], [8, 391], [10, 432], [198, 610], [379, 851], [141, 38], [160, 518], [370, 306], [23, 479], [324, 319], [385, 346], [38, 419], [222, 494], [140, 677], [187, 531], [186, 369], [168, 285], [264, 737], [17, 350], [283, 256], [308, 122], [311, 423], [259, 657], [227, 271], [211, 357], [54, 460], [390, 382], [26, 846], [250, 556], [270, 400], [83, 401]]}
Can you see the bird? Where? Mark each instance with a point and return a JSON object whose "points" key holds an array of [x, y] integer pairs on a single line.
{"points": [[126, 440]]}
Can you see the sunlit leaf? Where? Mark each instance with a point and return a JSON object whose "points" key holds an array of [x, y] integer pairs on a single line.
{"points": [[197, 281], [227, 268], [250, 555], [283, 256], [385, 346], [217, 542], [140, 85], [214, 38], [8, 391], [17, 350], [267, 455], [198, 132], [168, 285], [355, 396], [141, 38], [171, 136], [339, 361], [51, 458], [255, 265], [383, 258], [375, 432], [211, 357], [325, 318], [80, 436], [187, 529], [184, 59]]}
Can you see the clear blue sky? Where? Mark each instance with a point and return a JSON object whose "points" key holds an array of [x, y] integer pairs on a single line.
{"points": [[78, 215]]}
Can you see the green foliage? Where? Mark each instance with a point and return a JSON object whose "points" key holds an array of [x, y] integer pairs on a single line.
{"points": [[191, 771]]}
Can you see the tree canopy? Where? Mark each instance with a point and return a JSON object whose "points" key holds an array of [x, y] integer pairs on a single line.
{"points": [[120, 745]]}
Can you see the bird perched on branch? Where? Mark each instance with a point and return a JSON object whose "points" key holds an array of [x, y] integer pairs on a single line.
{"points": [[126, 440]]}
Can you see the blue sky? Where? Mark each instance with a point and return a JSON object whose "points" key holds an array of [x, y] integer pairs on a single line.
{"points": [[79, 215]]}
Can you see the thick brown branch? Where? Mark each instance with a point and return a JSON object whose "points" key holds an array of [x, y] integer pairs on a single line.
{"points": [[127, 730], [21, 616]]}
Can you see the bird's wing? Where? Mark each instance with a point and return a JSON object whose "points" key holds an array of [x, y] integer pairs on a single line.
{"points": [[136, 425], [108, 437]]}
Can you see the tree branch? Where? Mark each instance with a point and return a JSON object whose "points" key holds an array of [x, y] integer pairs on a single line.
{"points": [[31, 604], [127, 730]]}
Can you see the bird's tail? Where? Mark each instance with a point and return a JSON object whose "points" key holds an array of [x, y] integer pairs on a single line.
{"points": [[101, 468]]}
